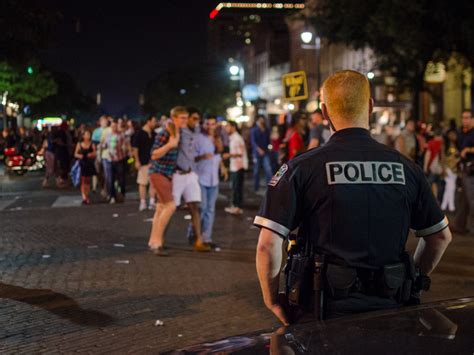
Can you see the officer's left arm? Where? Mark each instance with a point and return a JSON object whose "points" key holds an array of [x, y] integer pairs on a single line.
{"points": [[268, 260], [430, 224]]}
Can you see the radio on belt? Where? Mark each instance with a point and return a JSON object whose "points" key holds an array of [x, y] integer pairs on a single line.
{"points": [[365, 172]]}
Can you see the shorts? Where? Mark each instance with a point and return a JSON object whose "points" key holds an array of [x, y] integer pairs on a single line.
{"points": [[142, 176], [186, 186], [163, 187]]}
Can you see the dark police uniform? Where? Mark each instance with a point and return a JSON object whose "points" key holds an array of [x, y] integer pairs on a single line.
{"points": [[356, 199]]}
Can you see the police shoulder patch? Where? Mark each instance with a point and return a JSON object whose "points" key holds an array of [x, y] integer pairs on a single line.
{"points": [[276, 178]]}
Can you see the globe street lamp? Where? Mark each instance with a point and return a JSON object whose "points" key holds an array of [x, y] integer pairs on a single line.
{"points": [[234, 70], [307, 38]]}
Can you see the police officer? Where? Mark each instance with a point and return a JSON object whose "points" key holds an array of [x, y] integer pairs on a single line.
{"points": [[355, 200]]}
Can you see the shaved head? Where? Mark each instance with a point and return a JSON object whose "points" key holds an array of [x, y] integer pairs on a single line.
{"points": [[346, 97]]}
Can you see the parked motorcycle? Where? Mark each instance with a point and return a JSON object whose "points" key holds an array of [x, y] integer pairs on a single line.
{"points": [[20, 163]]}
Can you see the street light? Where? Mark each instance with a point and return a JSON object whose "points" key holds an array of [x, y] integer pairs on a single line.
{"points": [[307, 38], [234, 70]]}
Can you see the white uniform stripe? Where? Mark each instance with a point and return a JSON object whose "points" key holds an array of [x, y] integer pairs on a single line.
{"points": [[433, 229], [273, 226]]}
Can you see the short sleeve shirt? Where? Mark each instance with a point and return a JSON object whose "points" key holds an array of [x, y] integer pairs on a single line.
{"points": [[207, 169], [187, 150], [143, 142], [295, 144], [354, 198], [166, 165]]}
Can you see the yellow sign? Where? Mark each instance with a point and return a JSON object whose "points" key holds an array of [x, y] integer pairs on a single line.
{"points": [[295, 86]]}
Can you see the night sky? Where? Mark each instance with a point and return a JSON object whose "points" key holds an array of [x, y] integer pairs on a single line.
{"points": [[122, 45]]}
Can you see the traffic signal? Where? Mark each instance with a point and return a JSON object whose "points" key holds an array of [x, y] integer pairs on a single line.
{"points": [[29, 70]]}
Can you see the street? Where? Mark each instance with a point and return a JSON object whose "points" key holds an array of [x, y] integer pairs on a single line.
{"points": [[80, 279]]}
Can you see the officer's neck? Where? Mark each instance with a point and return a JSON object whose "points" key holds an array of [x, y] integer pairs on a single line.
{"points": [[341, 124]]}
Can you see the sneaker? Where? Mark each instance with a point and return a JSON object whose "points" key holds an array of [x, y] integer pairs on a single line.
{"points": [[230, 210], [142, 206], [213, 246], [152, 205], [112, 200], [202, 247], [159, 251], [239, 210]]}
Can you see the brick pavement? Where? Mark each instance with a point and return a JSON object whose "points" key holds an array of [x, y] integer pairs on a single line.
{"points": [[63, 290]]}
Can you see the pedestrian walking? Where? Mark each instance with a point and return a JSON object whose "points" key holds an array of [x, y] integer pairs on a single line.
{"points": [[433, 165], [451, 171], [260, 143], [142, 143], [117, 147], [48, 149], [464, 222], [105, 159], [319, 133], [407, 143], [61, 154], [208, 164], [98, 180], [86, 152], [238, 164], [275, 142], [164, 155], [185, 179], [294, 136]]}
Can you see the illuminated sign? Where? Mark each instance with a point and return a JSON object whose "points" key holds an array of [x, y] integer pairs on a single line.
{"points": [[255, 5], [435, 73], [295, 86]]}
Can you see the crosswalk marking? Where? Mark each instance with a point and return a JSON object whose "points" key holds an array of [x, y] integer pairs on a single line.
{"points": [[5, 203], [67, 201]]}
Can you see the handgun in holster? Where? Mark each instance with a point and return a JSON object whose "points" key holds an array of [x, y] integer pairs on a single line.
{"points": [[415, 282], [302, 278]]}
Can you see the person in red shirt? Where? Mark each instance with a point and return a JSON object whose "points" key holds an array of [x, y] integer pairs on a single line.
{"points": [[294, 135], [433, 163]]}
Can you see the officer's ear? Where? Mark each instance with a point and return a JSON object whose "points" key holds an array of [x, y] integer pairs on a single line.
{"points": [[324, 110], [371, 105]]}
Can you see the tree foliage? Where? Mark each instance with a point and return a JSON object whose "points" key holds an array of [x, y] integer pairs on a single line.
{"points": [[404, 35], [23, 87], [207, 87]]}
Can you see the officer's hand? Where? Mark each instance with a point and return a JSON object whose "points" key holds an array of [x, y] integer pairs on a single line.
{"points": [[279, 312]]}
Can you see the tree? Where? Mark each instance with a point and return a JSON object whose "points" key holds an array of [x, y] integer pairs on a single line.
{"points": [[404, 35], [26, 86], [207, 87]]}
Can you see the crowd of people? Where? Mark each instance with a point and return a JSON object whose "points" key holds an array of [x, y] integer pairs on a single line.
{"points": [[182, 159]]}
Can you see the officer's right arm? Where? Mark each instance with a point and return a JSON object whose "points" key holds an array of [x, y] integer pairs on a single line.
{"points": [[431, 225], [279, 214], [268, 261], [430, 250]]}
